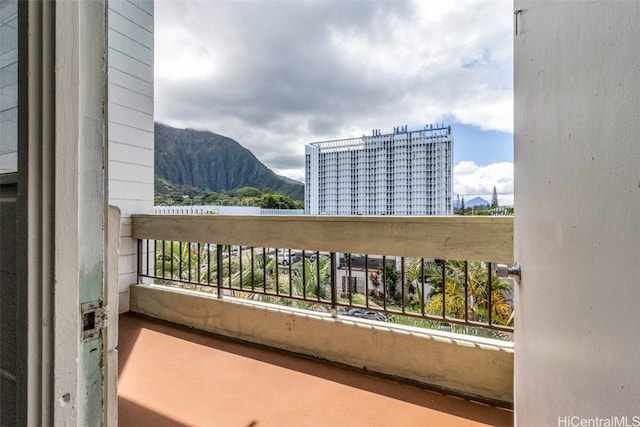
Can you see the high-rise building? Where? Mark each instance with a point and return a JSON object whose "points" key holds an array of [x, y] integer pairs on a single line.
{"points": [[399, 173]]}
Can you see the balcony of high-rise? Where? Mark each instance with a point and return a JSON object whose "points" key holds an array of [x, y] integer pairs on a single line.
{"points": [[357, 320]]}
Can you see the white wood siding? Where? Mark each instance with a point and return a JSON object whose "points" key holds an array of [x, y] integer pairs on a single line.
{"points": [[130, 123]]}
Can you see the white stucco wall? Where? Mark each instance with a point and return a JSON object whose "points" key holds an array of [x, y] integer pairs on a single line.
{"points": [[577, 221], [130, 123]]}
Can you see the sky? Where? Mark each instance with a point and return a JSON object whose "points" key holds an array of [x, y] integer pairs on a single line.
{"points": [[277, 75]]}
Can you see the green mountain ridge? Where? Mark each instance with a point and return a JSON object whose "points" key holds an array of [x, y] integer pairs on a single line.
{"points": [[193, 159]]}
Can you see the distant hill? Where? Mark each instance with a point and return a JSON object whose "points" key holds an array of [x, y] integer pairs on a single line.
{"points": [[476, 201], [192, 159]]}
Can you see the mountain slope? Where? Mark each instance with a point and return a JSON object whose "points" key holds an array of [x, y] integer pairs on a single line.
{"points": [[213, 162], [476, 201]]}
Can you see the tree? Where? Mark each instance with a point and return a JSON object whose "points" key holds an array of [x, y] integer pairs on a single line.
{"points": [[243, 271], [190, 263], [248, 192], [259, 282], [246, 196], [477, 293], [307, 283], [494, 198], [276, 201]]}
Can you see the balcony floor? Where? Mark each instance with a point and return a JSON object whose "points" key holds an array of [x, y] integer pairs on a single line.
{"points": [[173, 376]]}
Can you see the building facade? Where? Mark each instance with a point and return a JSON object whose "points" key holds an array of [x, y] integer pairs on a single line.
{"points": [[399, 173]]}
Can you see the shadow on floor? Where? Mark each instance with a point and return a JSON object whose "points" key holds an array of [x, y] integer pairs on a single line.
{"points": [[140, 416]]}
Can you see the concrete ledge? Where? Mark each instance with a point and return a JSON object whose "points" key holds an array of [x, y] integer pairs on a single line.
{"points": [[123, 302], [471, 366]]}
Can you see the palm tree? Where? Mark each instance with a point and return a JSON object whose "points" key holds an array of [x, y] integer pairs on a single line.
{"points": [[477, 296], [252, 274], [424, 277], [305, 278], [299, 280], [192, 264]]}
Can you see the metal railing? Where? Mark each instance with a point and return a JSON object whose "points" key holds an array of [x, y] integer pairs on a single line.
{"points": [[428, 290]]}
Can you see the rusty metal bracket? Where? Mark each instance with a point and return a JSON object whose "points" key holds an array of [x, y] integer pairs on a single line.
{"points": [[94, 319]]}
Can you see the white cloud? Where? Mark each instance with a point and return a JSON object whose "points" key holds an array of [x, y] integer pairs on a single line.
{"points": [[471, 180], [190, 59], [278, 75]]}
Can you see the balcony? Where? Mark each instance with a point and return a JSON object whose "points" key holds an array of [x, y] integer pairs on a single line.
{"points": [[227, 275]]}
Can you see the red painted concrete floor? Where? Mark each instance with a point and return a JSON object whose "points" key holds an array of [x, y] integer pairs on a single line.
{"points": [[173, 376]]}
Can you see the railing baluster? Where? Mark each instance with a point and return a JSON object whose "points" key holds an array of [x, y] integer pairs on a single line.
{"points": [[422, 295], [229, 264], [220, 269], [164, 260], [334, 296], [402, 294], [444, 289], [304, 275], [489, 308], [264, 268], [199, 263], [318, 293], [144, 267], [240, 266], [180, 260], [189, 261], [174, 259], [290, 275], [149, 256], [366, 280], [277, 272], [384, 282], [208, 264], [466, 291], [349, 279], [253, 265], [138, 279]]}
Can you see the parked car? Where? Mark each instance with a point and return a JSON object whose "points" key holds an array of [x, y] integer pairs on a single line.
{"points": [[363, 314], [235, 251], [284, 256]]}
